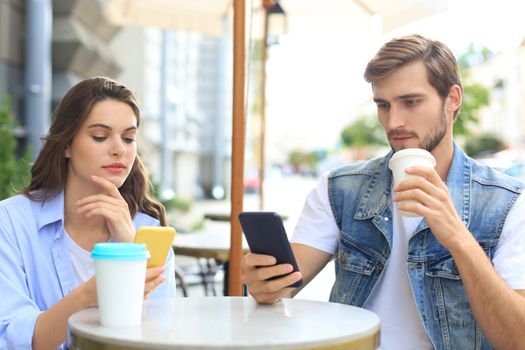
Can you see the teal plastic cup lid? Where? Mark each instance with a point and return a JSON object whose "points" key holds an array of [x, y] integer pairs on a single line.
{"points": [[120, 251]]}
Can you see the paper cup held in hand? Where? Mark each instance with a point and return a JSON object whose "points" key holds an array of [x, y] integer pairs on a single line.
{"points": [[120, 270], [406, 158]]}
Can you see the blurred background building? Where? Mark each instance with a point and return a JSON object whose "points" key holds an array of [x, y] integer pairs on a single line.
{"points": [[186, 96], [79, 48], [192, 79]]}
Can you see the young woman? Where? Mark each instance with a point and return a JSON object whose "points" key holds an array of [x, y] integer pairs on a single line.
{"points": [[88, 185]]}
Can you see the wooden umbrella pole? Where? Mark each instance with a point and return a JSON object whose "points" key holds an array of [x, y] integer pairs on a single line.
{"points": [[238, 144]]}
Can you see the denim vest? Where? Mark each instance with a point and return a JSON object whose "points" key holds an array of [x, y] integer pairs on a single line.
{"points": [[360, 196]]}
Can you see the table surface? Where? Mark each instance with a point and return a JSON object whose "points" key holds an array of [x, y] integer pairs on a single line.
{"points": [[206, 244], [232, 323], [223, 216]]}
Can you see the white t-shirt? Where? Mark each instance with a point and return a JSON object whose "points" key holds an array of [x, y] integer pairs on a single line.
{"points": [[392, 299], [81, 261]]}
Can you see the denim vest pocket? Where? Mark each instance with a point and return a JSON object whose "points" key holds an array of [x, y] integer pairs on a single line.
{"points": [[450, 303], [451, 307], [357, 271]]}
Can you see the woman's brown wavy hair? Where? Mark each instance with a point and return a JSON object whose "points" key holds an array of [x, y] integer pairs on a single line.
{"points": [[49, 172]]}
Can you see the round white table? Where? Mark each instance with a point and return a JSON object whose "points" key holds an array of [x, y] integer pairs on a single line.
{"points": [[232, 323]]}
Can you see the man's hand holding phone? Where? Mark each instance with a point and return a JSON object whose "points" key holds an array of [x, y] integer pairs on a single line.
{"points": [[270, 270], [259, 273]]}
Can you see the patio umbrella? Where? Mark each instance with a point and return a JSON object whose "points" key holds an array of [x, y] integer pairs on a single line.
{"points": [[305, 17], [203, 16]]}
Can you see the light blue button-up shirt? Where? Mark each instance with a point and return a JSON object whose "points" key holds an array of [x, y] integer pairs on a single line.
{"points": [[35, 266]]}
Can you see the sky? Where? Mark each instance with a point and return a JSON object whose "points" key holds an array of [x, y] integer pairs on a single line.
{"points": [[314, 84]]}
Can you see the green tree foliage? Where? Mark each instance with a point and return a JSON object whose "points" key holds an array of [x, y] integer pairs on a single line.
{"points": [[14, 173], [475, 96], [473, 56], [484, 143], [304, 161], [365, 131]]}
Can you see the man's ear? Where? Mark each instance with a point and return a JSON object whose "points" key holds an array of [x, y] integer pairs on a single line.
{"points": [[454, 99], [67, 152]]}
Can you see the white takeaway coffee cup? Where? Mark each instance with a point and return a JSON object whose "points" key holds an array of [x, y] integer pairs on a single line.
{"points": [[406, 158], [120, 270]]}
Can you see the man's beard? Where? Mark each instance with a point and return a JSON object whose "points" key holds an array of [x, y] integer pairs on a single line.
{"points": [[436, 134], [430, 141]]}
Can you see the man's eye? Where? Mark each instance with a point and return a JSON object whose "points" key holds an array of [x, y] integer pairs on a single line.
{"points": [[382, 105], [412, 102], [99, 138]]}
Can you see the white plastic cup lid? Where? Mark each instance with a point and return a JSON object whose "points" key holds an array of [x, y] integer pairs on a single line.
{"points": [[411, 152]]}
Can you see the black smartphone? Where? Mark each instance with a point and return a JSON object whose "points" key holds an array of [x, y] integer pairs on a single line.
{"points": [[265, 234]]}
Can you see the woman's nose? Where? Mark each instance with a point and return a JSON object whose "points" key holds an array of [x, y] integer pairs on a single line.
{"points": [[118, 149]]}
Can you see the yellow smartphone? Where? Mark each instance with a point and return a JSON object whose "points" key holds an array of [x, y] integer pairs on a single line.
{"points": [[158, 240]]}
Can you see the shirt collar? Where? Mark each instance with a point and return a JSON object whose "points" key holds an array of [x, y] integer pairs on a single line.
{"points": [[459, 179], [52, 211], [377, 194]]}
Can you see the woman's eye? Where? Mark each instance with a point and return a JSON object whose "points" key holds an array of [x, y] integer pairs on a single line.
{"points": [[128, 139], [99, 138]]}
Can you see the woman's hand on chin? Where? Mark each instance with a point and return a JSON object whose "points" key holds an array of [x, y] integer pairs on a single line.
{"points": [[110, 205]]}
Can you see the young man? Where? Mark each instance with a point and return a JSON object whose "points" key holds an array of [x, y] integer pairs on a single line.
{"points": [[452, 278]]}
